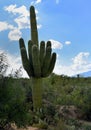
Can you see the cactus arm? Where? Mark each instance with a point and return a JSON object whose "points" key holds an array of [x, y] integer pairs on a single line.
{"points": [[23, 52], [52, 63], [36, 61], [21, 43], [25, 61], [30, 45], [33, 23], [24, 57], [48, 44], [42, 53], [46, 61]]}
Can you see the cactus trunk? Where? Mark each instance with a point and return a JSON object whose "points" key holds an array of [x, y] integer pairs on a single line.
{"points": [[37, 93], [39, 62]]}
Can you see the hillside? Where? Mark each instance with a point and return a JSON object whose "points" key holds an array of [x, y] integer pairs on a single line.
{"points": [[65, 101], [86, 74]]}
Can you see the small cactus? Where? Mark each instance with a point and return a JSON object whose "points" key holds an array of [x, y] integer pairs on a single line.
{"points": [[39, 62]]}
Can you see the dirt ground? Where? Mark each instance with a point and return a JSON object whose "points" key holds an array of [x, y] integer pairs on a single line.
{"points": [[29, 128]]}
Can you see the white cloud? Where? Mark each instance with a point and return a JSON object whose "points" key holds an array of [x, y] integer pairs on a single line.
{"points": [[14, 34], [4, 26], [10, 8], [81, 58], [14, 62], [79, 65], [36, 2], [56, 44], [73, 69], [39, 26], [57, 1], [67, 42], [22, 21], [22, 10]]}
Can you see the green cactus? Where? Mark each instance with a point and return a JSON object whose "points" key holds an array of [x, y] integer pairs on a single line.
{"points": [[39, 62]]}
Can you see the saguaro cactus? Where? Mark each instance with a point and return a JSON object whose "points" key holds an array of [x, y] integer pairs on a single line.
{"points": [[39, 62]]}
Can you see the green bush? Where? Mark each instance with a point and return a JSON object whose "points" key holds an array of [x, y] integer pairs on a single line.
{"points": [[61, 125], [13, 108], [86, 127], [82, 99]]}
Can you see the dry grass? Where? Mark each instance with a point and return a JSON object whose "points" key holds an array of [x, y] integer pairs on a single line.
{"points": [[28, 128]]}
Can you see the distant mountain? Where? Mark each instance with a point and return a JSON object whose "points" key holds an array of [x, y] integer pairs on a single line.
{"points": [[86, 74]]}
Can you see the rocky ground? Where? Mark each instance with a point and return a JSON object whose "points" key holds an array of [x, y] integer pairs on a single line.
{"points": [[13, 127], [29, 128]]}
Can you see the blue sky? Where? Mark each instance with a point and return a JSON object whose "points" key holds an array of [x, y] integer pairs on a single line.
{"points": [[66, 23]]}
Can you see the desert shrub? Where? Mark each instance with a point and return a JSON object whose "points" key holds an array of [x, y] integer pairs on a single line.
{"points": [[48, 114], [86, 127], [13, 107], [64, 99], [61, 125], [82, 99]]}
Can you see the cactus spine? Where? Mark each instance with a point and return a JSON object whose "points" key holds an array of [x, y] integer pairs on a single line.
{"points": [[39, 62]]}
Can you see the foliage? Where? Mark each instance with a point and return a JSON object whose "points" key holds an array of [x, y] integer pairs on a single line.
{"points": [[67, 91], [13, 107], [16, 102], [86, 127], [82, 99]]}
